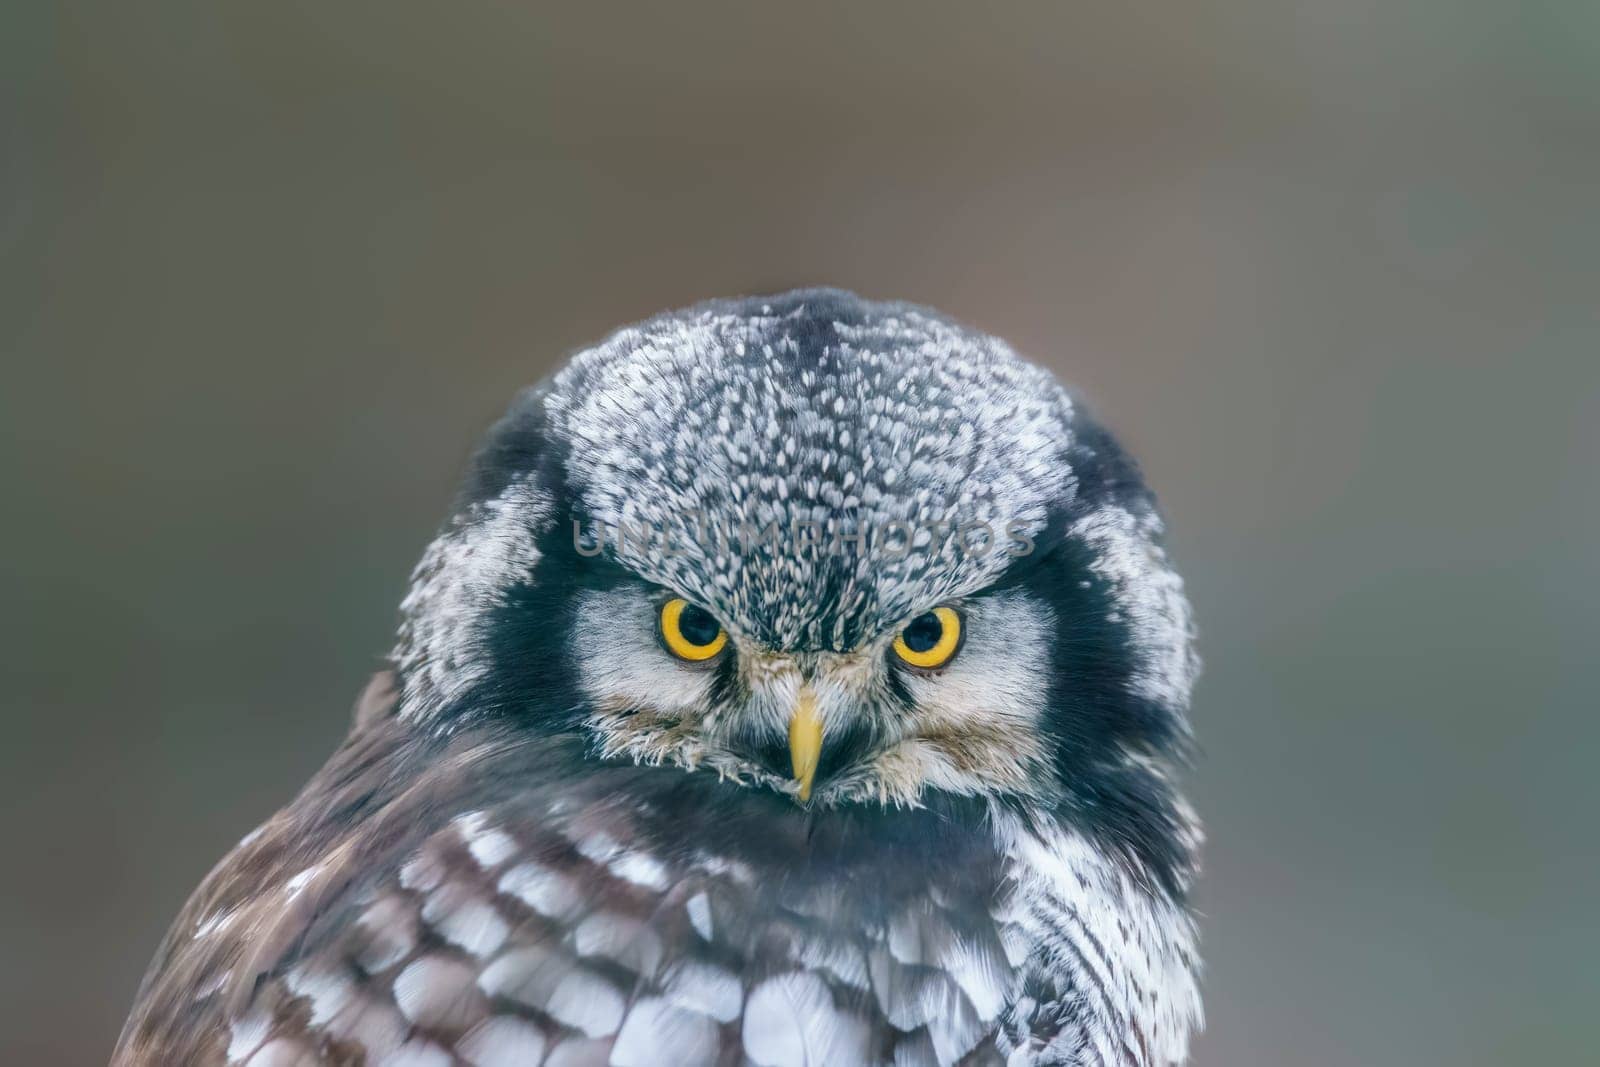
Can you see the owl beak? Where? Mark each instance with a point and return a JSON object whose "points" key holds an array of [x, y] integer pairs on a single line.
{"points": [[805, 740]]}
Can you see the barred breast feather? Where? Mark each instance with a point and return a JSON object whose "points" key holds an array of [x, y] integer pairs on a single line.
{"points": [[488, 899]]}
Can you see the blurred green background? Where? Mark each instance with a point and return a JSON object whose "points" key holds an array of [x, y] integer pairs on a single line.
{"points": [[1331, 269]]}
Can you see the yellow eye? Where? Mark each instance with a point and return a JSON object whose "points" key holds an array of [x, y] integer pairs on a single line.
{"points": [[930, 640], [689, 632]]}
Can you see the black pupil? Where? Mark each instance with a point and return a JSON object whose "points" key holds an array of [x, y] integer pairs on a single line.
{"points": [[697, 626], [923, 633]]}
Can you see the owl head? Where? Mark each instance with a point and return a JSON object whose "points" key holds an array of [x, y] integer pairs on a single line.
{"points": [[837, 552]]}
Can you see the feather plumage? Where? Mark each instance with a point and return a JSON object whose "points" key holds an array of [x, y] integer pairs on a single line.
{"points": [[532, 852]]}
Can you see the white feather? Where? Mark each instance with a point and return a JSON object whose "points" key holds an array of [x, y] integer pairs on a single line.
{"points": [[585, 1001], [705, 988], [790, 1020], [547, 892], [699, 908], [503, 1041], [657, 1032], [435, 991]]}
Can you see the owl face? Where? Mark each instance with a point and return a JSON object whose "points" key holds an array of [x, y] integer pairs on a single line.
{"points": [[947, 700], [843, 552]]}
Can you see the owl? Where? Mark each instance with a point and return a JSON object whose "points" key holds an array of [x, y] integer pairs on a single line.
{"points": [[796, 681]]}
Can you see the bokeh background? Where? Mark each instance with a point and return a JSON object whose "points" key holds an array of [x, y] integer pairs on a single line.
{"points": [[1330, 268]]}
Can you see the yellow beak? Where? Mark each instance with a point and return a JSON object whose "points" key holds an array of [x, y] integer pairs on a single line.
{"points": [[805, 740]]}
